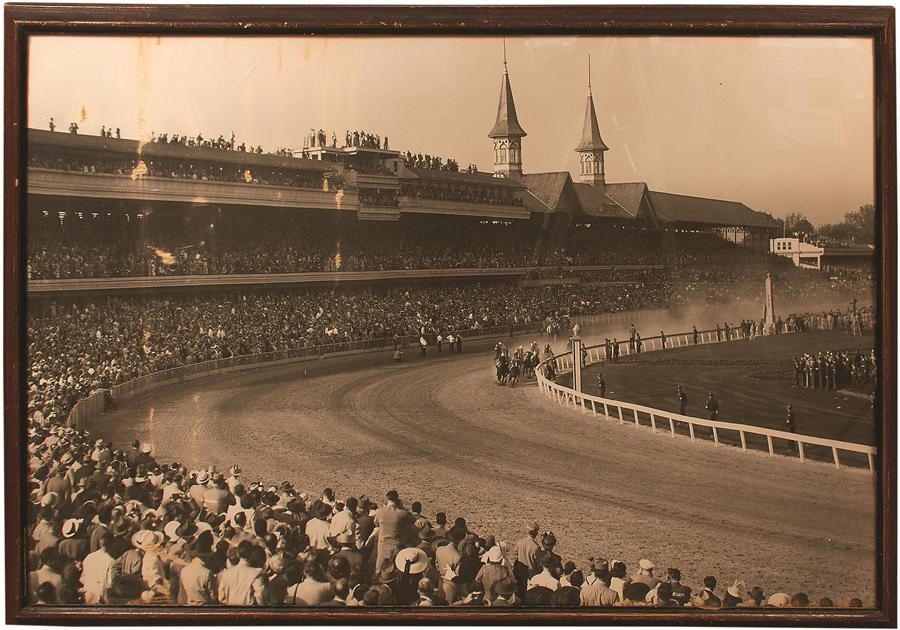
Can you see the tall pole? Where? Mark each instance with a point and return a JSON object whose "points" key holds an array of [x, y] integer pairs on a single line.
{"points": [[576, 359]]}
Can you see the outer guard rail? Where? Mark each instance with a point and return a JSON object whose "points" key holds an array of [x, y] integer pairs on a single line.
{"points": [[798, 443]]}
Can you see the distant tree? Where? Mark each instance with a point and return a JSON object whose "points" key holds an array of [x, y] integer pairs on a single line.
{"points": [[797, 223], [861, 224], [834, 231]]}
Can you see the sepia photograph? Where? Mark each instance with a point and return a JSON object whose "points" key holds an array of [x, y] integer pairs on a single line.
{"points": [[323, 323]]}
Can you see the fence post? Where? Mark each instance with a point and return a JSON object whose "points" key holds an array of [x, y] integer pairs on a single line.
{"points": [[691, 428], [871, 462], [743, 441], [672, 425], [802, 451], [837, 459], [621, 419], [594, 406], [636, 422], [715, 436], [771, 447], [653, 422]]}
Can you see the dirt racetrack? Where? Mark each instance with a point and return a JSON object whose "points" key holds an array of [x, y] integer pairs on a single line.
{"points": [[441, 431]]}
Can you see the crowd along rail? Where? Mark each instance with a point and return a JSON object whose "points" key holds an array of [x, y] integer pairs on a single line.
{"points": [[669, 422], [95, 403]]}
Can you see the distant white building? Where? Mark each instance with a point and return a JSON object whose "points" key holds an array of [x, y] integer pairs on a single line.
{"points": [[805, 255]]}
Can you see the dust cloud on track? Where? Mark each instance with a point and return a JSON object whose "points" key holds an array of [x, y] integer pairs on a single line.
{"points": [[441, 431]]}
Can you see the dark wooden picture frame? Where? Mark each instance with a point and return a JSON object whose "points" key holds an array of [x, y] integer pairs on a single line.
{"points": [[25, 20]]}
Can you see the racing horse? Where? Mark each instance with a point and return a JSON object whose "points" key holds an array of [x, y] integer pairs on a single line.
{"points": [[502, 364], [530, 363], [514, 371]]}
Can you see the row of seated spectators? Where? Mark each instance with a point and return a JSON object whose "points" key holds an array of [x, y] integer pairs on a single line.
{"points": [[455, 192], [113, 526], [80, 348], [85, 244], [704, 267], [180, 169]]}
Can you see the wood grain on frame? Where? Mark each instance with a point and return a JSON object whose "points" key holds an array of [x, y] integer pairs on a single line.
{"points": [[22, 20]]}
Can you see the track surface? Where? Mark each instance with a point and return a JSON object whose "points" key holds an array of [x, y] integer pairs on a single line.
{"points": [[752, 380], [441, 431]]}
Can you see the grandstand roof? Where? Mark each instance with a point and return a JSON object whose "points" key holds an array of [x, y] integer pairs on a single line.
{"points": [[464, 177], [98, 145], [628, 195], [672, 208], [507, 123], [547, 187], [596, 203]]}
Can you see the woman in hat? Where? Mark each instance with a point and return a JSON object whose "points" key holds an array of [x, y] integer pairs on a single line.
{"points": [[410, 564]]}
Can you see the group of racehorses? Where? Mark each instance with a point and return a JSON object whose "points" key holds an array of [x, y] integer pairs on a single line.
{"points": [[511, 365]]}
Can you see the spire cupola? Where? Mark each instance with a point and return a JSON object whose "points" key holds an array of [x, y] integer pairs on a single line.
{"points": [[507, 133], [591, 148]]}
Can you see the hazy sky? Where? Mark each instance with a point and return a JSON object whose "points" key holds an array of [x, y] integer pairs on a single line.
{"points": [[782, 124]]}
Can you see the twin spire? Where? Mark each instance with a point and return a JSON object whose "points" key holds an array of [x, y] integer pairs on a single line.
{"points": [[507, 124], [507, 134], [590, 134]]}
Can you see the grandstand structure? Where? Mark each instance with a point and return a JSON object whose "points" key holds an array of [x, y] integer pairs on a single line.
{"points": [[174, 199]]}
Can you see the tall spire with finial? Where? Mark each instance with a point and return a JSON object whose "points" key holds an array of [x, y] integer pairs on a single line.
{"points": [[591, 146], [507, 133]]}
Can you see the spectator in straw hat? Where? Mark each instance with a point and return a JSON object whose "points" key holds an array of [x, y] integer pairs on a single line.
{"points": [[734, 595], [409, 566], [74, 545], [493, 572], [645, 574], [779, 600]]}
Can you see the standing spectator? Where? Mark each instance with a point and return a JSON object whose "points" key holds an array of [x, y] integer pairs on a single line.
{"points": [[682, 400], [789, 424], [97, 572], [712, 406], [392, 520]]}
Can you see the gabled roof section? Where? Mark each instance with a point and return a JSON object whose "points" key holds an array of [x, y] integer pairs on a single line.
{"points": [[507, 124], [671, 208], [590, 134], [547, 187], [595, 203], [628, 195]]}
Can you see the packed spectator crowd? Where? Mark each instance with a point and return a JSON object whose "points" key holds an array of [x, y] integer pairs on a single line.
{"points": [[182, 169], [435, 163], [120, 244], [113, 526], [77, 349], [467, 193], [834, 370]]}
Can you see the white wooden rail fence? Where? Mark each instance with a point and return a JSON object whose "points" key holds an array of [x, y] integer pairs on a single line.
{"points": [[666, 421]]}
